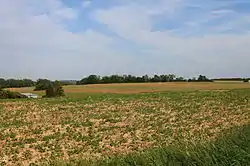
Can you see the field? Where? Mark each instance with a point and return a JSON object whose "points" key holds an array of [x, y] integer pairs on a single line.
{"points": [[121, 124], [134, 88]]}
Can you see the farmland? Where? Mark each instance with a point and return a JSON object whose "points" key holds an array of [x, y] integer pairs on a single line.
{"points": [[126, 124], [134, 88]]}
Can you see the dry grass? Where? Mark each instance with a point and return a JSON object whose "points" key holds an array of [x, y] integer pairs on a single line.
{"points": [[36, 131], [145, 87]]}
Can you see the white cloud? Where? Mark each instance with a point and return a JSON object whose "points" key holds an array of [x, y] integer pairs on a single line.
{"points": [[127, 21], [36, 43], [214, 54], [39, 46]]}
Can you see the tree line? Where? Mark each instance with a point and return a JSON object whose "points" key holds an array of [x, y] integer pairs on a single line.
{"points": [[52, 89], [16, 83], [95, 79], [232, 79], [42, 84]]}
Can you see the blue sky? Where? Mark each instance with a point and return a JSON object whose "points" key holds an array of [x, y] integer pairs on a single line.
{"points": [[69, 39]]}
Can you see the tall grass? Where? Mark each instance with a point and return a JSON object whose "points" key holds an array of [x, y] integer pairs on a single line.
{"points": [[231, 149]]}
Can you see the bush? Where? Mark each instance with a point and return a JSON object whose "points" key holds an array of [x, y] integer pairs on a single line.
{"points": [[54, 89], [5, 94]]}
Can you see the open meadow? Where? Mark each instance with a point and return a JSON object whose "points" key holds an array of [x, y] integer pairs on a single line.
{"points": [[129, 124]]}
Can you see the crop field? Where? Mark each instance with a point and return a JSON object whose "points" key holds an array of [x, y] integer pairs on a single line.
{"points": [[108, 128], [134, 88]]}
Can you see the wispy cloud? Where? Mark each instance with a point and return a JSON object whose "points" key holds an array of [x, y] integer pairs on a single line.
{"points": [[186, 37]]}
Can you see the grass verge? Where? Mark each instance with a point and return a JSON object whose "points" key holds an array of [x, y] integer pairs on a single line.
{"points": [[230, 149]]}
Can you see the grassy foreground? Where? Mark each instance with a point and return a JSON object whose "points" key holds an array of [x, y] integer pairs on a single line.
{"points": [[185, 128], [233, 148]]}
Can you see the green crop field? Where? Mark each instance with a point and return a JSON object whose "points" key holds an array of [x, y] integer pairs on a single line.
{"points": [[171, 124]]}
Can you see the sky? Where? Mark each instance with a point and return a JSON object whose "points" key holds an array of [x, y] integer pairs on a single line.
{"points": [[70, 39]]}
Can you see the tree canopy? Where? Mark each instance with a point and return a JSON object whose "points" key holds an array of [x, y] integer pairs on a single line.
{"points": [[16, 83], [42, 84], [95, 79]]}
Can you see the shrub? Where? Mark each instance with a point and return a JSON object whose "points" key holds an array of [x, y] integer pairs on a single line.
{"points": [[5, 94], [54, 89]]}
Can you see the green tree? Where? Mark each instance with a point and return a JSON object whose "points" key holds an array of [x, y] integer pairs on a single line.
{"points": [[59, 89], [42, 84], [156, 78], [202, 78], [54, 89], [180, 79], [246, 80], [145, 78], [2, 83], [92, 79], [13, 83]]}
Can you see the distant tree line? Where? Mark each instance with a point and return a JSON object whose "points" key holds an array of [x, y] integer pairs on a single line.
{"points": [[16, 83], [232, 79], [229, 79], [68, 82], [95, 79], [42, 84], [52, 89]]}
